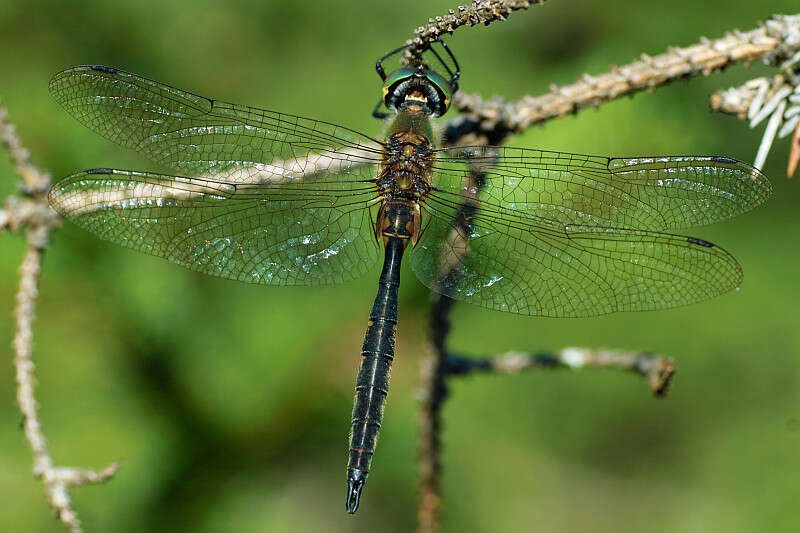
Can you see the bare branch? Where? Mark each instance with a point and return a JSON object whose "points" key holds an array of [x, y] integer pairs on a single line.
{"points": [[434, 369], [33, 179], [737, 100], [28, 212], [432, 391], [18, 212], [657, 369], [31, 213], [775, 41], [777, 98], [494, 119], [480, 12]]}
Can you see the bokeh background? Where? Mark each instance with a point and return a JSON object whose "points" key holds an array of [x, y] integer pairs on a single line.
{"points": [[229, 404]]}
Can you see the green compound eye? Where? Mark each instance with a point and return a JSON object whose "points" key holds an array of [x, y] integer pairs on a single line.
{"points": [[443, 86], [394, 79], [435, 88]]}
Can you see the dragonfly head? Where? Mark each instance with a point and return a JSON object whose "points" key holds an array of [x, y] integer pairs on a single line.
{"points": [[417, 85]]}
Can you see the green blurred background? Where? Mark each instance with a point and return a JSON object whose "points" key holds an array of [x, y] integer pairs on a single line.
{"points": [[229, 403]]}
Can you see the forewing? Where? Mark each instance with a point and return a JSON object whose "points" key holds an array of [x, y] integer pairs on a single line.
{"points": [[287, 234], [201, 137], [658, 193], [508, 261]]}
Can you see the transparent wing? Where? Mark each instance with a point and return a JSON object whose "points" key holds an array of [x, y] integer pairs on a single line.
{"points": [[648, 193], [569, 235], [201, 137], [517, 265], [301, 233]]}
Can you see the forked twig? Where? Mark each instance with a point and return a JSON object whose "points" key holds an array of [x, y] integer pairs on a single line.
{"points": [[32, 214], [491, 122]]}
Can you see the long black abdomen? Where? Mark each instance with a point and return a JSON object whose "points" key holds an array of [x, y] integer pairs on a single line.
{"points": [[372, 384]]}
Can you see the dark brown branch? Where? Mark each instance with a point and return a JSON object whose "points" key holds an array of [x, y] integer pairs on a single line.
{"points": [[434, 368], [432, 393]]}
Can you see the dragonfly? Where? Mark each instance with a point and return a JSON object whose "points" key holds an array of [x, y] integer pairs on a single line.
{"points": [[269, 198]]}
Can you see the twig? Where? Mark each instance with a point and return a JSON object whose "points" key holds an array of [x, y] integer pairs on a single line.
{"points": [[433, 392], [21, 212], [657, 369], [777, 98], [56, 480], [27, 212], [32, 213], [433, 387], [491, 122], [776, 41], [432, 395], [33, 179], [480, 12]]}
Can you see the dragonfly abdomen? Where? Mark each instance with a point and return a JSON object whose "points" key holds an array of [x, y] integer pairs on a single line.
{"points": [[377, 354]]}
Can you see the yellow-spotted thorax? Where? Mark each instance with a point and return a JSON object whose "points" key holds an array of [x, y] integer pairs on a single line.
{"points": [[415, 94]]}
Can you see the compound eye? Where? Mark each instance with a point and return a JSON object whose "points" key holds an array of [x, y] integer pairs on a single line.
{"points": [[442, 87], [392, 81]]}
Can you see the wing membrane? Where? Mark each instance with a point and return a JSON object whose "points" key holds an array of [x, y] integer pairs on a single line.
{"points": [[287, 234], [279, 199], [202, 137], [508, 261], [649, 193]]}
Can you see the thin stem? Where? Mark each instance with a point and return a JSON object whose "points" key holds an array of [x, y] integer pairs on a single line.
{"points": [[33, 179], [479, 12], [31, 213], [490, 122], [434, 369], [775, 41], [433, 392], [776, 99], [57, 480], [658, 370]]}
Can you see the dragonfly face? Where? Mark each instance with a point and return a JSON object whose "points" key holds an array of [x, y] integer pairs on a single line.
{"points": [[269, 198], [418, 85]]}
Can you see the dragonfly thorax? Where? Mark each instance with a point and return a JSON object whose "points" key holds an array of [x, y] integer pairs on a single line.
{"points": [[406, 165], [404, 178]]}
